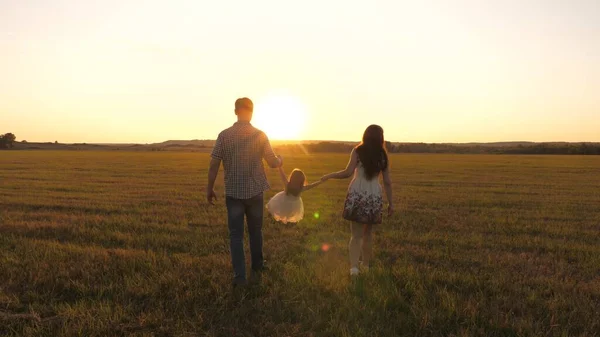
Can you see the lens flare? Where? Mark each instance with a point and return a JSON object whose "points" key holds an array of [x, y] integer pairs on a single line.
{"points": [[317, 215], [325, 247]]}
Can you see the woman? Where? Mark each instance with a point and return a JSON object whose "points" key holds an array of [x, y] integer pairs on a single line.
{"points": [[364, 201]]}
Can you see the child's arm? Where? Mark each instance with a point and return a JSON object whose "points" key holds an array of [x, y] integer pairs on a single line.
{"points": [[283, 177], [311, 186]]}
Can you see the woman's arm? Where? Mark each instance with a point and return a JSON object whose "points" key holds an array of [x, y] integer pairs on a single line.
{"points": [[347, 172], [387, 185]]}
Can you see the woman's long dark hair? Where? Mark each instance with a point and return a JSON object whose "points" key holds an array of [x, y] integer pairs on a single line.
{"points": [[372, 153]]}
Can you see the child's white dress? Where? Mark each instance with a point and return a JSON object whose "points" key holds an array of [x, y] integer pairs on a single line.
{"points": [[286, 207]]}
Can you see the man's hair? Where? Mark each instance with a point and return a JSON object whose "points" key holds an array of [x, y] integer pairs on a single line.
{"points": [[244, 103]]}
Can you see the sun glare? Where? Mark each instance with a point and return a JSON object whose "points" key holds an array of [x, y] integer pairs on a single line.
{"points": [[281, 116]]}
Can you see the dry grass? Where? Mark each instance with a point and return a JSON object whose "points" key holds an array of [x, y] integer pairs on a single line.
{"points": [[115, 244]]}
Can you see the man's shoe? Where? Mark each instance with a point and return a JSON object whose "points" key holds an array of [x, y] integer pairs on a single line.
{"points": [[262, 268], [239, 283], [255, 277]]}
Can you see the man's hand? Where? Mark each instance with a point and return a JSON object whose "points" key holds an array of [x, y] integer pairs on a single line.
{"points": [[211, 196], [213, 171], [280, 160]]}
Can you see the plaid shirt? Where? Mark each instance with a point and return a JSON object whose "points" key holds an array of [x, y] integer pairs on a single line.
{"points": [[242, 148]]}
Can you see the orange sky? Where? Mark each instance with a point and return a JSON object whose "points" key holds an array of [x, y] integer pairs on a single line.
{"points": [[427, 71]]}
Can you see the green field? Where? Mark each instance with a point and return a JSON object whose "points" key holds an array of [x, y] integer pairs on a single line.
{"points": [[120, 244]]}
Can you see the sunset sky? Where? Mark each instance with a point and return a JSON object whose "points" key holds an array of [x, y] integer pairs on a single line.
{"points": [[427, 71]]}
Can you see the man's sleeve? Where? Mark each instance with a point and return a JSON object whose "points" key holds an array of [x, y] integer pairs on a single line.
{"points": [[268, 153], [217, 151]]}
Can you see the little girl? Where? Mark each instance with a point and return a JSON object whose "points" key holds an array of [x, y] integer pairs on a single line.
{"points": [[286, 206]]}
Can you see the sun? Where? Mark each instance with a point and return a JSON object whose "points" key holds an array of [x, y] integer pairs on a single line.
{"points": [[280, 116]]}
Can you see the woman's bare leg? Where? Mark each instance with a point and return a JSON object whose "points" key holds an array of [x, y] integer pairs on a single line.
{"points": [[367, 247], [355, 243]]}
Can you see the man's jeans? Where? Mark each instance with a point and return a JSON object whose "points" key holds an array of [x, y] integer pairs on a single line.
{"points": [[253, 210]]}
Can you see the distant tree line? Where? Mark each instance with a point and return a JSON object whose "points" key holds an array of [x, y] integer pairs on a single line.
{"points": [[7, 140], [532, 148]]}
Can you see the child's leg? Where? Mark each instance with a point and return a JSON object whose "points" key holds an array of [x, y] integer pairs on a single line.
{"points": [[355, 241], [367, 247]]}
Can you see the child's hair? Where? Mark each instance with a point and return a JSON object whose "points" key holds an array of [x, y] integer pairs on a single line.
{"points": [[295, 183]]}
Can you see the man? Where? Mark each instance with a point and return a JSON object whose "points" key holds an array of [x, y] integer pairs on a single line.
{"points": [[242, 148]]}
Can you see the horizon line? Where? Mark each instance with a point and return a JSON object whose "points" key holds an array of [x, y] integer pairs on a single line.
{"points": [[317, 141]]}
